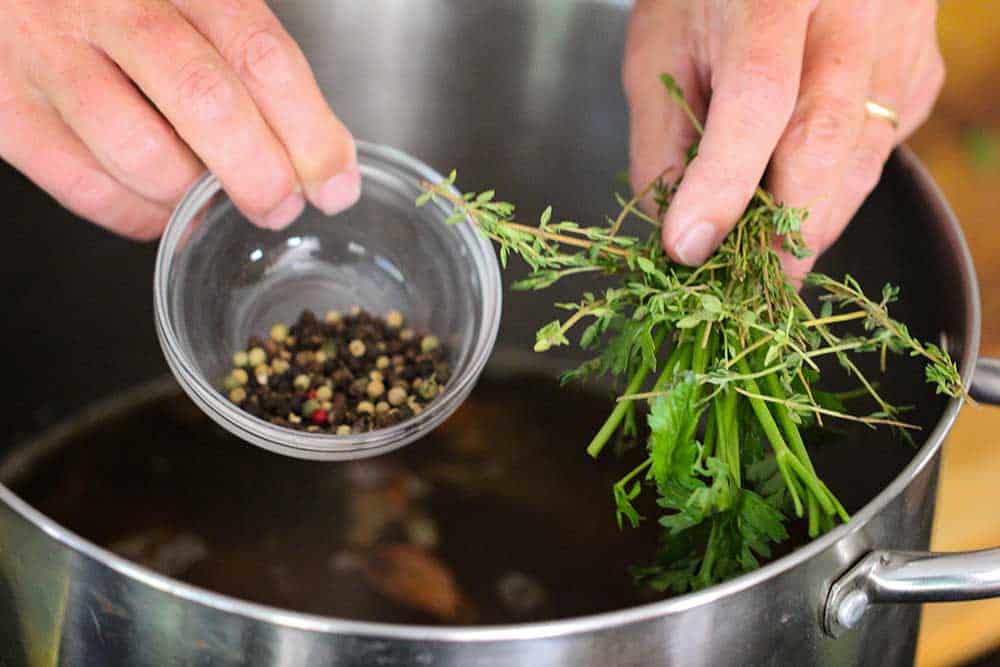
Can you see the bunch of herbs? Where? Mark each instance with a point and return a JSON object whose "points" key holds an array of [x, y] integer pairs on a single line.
{"points": [[725, 357]]}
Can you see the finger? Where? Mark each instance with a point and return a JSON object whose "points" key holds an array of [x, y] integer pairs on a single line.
{"points": [[660, 134], [281, 83], [878, 138], [201, 96], [920, 103], [754, 87], [129, 138], [927, 77], [37, 142], [813, 152]]}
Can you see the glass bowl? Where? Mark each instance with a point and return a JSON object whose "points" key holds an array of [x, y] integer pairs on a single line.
{"points": [[219, 279]]}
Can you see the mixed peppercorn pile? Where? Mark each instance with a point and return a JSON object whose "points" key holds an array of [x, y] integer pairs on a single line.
{"points": [[343, 374]]}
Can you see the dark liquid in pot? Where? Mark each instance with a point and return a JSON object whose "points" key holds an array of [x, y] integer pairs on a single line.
{"points": [[498, 516]]}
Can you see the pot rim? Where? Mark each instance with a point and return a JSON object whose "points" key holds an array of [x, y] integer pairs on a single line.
{"points": [[594, 622]]}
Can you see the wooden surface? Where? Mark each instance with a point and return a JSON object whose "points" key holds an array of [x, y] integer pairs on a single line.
{"points": [[968, 515]]}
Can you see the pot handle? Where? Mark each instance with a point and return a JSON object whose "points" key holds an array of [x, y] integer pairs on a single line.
{"points": [[910, 576]]}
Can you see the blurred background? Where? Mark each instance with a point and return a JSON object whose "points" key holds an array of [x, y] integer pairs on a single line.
{"points": [[961, 145]]}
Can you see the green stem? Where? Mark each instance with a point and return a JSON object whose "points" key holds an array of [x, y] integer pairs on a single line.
{"points": [[615, 418], [781, 451]]}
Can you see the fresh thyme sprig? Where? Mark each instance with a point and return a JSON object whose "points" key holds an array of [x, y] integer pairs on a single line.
{"points": [[726, 350]]}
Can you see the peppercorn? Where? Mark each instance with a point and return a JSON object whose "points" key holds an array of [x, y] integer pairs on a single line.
{"points": [[343, 429], [358, 387], [397, 396], [429, 343], [355, 311], [394, 319], [238, 395], [256, 356], [375, 389], [279, 332], [301, 383], [332, 317], [428, 390]]}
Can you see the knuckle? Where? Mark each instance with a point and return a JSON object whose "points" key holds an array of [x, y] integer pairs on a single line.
{"points": [[264, 54], [822, 129], [205, 91]]}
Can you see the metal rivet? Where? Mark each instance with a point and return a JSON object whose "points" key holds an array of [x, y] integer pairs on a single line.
{"points": [[852, 608]]}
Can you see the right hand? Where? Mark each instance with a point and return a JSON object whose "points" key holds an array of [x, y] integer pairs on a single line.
{"points": [[116, 106]]}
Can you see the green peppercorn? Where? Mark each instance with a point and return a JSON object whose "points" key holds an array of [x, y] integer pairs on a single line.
{"points": [[240, 359], [406, 335], [429, 344], [428, 390], [301, 382], [279, 332], [256, 356], [309, 407], [356, 348], [238, 395], [279, 366], [329, 349], [230, 383]]}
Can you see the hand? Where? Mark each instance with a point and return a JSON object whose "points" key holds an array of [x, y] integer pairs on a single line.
{"points": [[115, 106], [782, 82]]}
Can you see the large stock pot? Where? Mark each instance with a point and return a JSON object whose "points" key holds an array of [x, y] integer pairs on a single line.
{"points": [[524, 96]]}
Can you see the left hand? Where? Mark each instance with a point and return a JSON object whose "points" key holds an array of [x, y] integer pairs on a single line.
{"points": [[779, 82]]}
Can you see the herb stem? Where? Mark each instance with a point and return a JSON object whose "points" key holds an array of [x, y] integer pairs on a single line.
{"points": [[615, 418]]}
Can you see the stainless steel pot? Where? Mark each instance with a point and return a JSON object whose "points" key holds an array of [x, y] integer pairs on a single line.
{"points": [[524, 95]]}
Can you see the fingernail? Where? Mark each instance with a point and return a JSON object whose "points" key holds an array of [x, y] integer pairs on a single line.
{"points": [[696, 243], [340, 192], [284, 213]]}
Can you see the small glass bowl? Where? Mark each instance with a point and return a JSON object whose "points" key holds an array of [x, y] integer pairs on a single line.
{"points": [[219, 279]]}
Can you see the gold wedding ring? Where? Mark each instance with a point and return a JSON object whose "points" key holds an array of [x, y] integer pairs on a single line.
{"points": [[876, 110]]}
